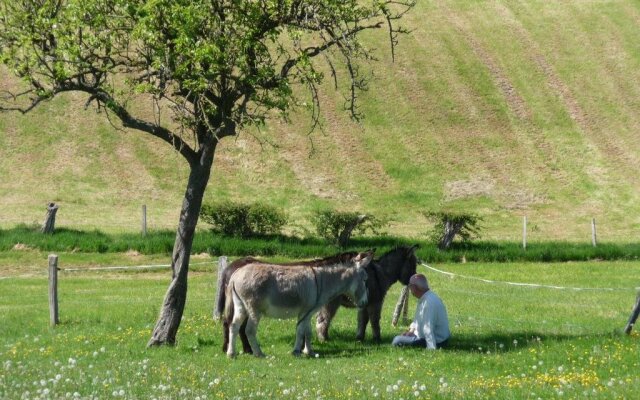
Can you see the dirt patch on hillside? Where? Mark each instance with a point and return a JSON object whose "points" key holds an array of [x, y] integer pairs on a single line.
{"points": [[468, 188]]}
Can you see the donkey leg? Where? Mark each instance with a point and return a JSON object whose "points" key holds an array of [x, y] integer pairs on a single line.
{"points": [[375, 310], [363, 320], [238, 319], [251, 331], [301, 328], [323, 320], [307, 341], [246, 346], [225, 335]]}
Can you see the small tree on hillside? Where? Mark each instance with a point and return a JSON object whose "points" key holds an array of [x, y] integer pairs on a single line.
{"points": [[338, 226], [214, 66], [448, 225]]}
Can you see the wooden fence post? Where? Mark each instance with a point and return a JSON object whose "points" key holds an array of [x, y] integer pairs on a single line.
{"points": [[405, 309], [593, 232], [222, 265], [144, 220], [53, 290], [524, 232], [402, 300], [634, 315]]}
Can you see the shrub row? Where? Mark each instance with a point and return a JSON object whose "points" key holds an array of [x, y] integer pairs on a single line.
{"points": [[161, 242]]}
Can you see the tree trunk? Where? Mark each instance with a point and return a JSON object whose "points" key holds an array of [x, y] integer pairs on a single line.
{"points": [[50, 219], [345, 235], [170, 317], [451, 229]]}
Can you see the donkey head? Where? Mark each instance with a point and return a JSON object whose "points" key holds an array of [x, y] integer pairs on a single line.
{"points": [[408, 263], [358, 288]]}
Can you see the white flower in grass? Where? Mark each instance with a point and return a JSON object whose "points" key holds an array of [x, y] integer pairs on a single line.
{"points": [[560, 368], [416, 393], [389, 389], [423, 388], [395, 387], [286, 392]]}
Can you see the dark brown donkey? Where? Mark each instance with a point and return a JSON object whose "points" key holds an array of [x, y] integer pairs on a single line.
{"points": [[396, 265], [241, 262]]}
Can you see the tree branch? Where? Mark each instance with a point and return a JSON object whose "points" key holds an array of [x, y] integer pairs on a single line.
{"points": [[129, 121]]}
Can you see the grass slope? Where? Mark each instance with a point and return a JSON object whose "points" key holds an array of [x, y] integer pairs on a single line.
{"points": [[502, 108]]}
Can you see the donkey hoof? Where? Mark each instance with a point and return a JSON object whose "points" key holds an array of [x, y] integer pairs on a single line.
{"points": [[231, 355], [296, 353], [313, 354]]}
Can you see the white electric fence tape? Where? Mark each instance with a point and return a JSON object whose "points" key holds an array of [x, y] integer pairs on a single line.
{"points": [[531, 285]]}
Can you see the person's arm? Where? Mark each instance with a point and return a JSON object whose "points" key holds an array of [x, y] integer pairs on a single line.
{"points": [[412, 330]]}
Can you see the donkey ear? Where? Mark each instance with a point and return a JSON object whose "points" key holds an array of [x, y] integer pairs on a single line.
{"points": [[365, 258]]}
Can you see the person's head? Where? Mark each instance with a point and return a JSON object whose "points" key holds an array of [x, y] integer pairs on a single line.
{"points": [[418, 285]]}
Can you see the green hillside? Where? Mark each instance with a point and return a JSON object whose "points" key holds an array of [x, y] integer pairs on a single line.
{"points": [[501, 108]]}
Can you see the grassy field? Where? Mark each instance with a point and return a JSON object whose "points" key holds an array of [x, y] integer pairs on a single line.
{"points": [[543, 124], [509, 341]]}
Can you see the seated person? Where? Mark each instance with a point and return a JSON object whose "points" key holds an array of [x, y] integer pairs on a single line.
{"points": [[430, 326]]}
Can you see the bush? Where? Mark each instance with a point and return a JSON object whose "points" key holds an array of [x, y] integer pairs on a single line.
{"points": [[243, 220], [448, 225], [337, 226]]}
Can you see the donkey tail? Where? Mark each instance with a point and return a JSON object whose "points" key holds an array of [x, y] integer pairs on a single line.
{"points": [[221, 298], [228, 302]]}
